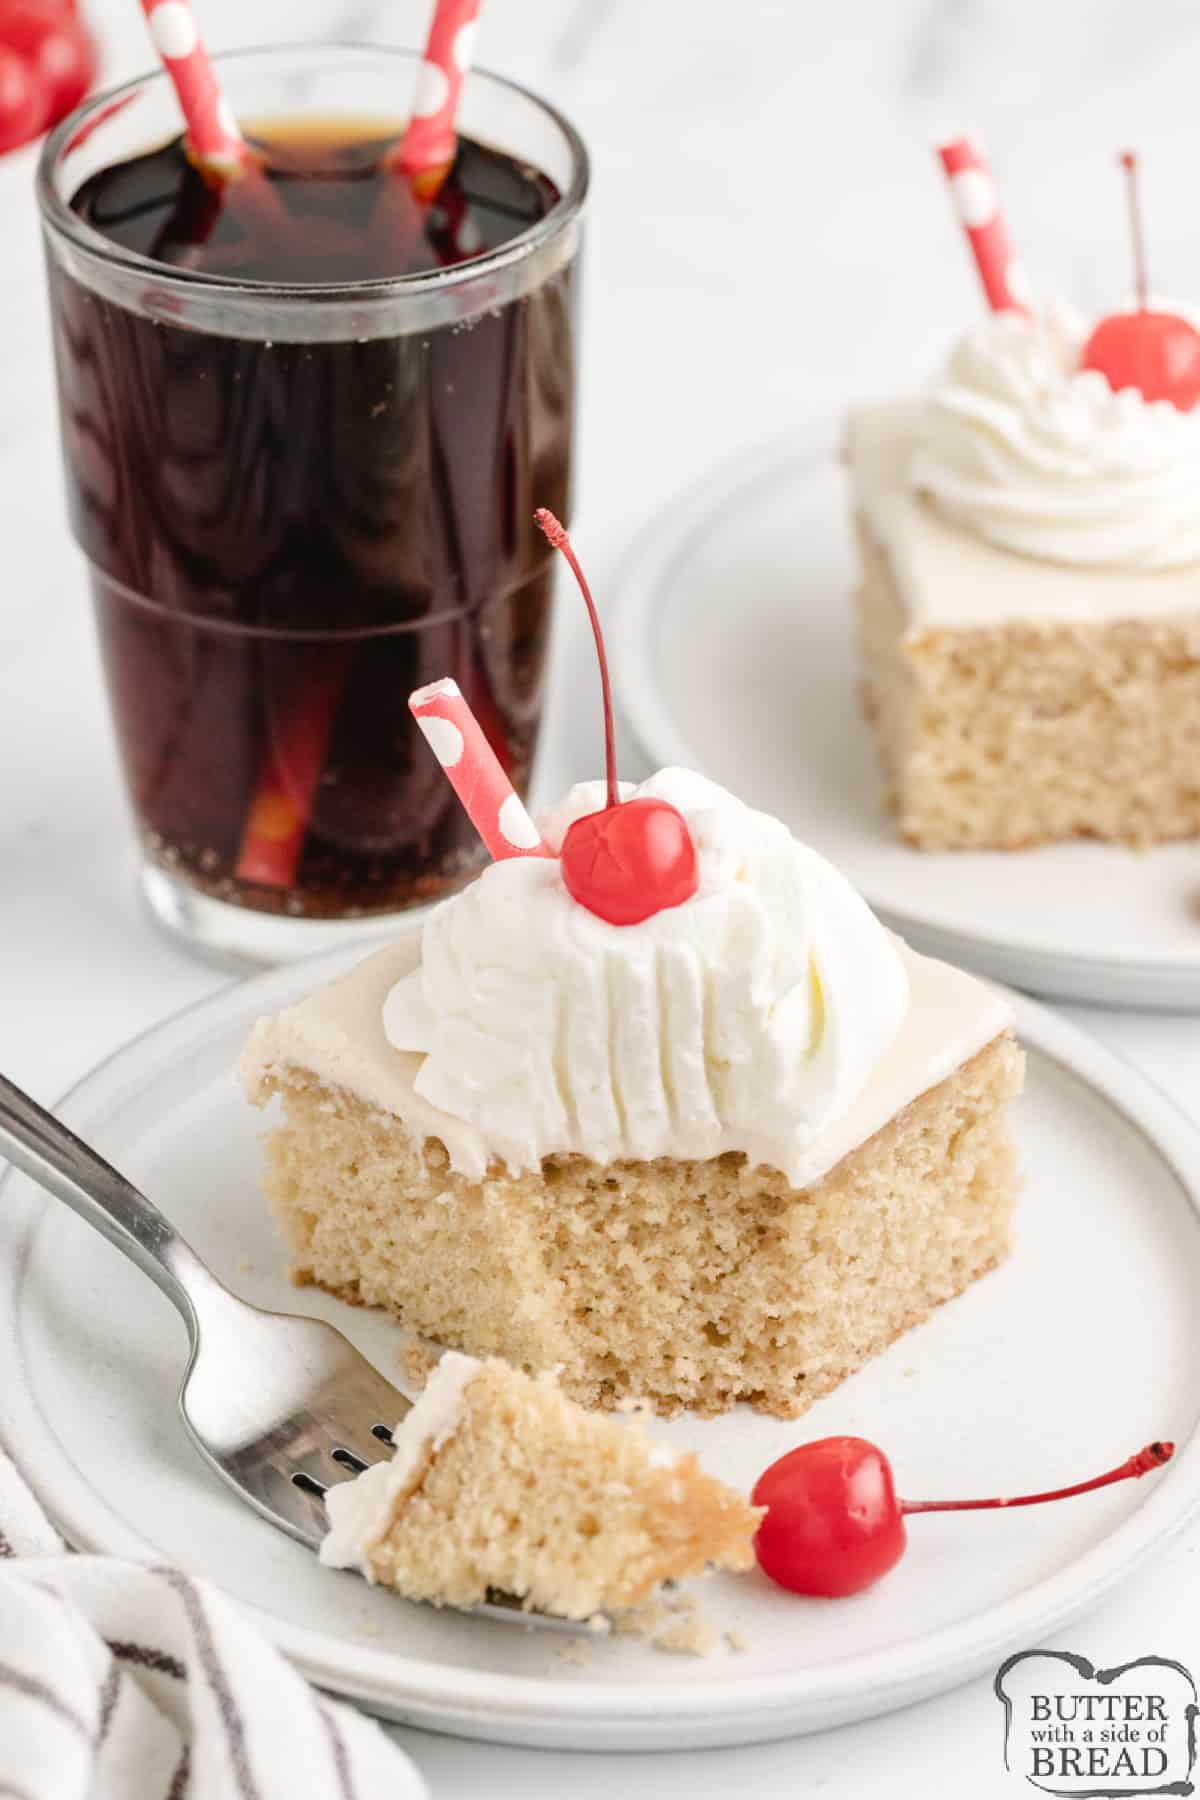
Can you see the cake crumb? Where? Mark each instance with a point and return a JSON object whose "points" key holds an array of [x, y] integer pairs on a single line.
{"points": [[600, 1625], [692, 1636], [672, 1623], [418, 1363], [245, 1266], [737, 1640], [577, 1652], [639, 1621]]}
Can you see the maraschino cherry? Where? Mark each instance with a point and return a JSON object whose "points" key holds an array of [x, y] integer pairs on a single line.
{"points": [[1156, 352], [834, 1524], [636, 857]]}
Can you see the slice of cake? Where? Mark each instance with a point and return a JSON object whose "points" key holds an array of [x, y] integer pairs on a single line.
{"points": [[725, 1154], [1029, 605], [499, 1482]]}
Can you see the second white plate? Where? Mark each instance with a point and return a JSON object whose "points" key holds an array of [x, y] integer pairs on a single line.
{"points": [[1079, 1350], [734, 654]]}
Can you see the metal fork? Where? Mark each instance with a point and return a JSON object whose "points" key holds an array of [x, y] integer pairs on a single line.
{"points": [[269, 1399]]}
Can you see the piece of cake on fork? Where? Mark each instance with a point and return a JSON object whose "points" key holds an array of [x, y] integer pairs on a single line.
{"points": [[1029, 600], [499, 1483], [656, 1102]]}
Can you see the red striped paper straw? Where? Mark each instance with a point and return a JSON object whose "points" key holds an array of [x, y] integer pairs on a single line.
{"points": [[426, 150], [977, 203], [473, 770], [214, 137], [214, 140]]}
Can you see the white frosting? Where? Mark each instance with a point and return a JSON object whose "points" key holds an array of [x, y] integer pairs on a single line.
{"points": [[953, 579], [336, 1036], [361, 1510], [746, 1019], [1023, 447]]}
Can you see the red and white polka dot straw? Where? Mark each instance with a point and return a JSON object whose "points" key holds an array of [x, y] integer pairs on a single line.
{"points": [[978, 206], [489, 799], [214, 139], [427, 146]]}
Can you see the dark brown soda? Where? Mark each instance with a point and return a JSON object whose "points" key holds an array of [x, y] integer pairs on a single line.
{"points": [[286, 538]]}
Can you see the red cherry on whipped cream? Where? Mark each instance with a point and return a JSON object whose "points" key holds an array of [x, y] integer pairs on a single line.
{"points": [[834, 1524], [630, 861], [636, 857], [1158, 353]]}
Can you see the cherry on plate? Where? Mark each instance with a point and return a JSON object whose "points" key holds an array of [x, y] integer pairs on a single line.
{"points": [[834, 1525]]}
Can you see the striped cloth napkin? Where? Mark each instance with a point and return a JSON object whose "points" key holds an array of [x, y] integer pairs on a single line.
{"points": [[120, 1681]]}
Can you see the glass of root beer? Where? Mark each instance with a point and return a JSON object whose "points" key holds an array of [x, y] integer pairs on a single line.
{"points": [[303, 446]]}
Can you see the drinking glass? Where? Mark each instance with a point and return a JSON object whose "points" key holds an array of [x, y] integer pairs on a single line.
{"points": [[298, 502]]}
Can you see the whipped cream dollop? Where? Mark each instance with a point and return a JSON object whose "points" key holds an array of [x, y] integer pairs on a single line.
{"points": [[745, 1019], [1033, 453]]}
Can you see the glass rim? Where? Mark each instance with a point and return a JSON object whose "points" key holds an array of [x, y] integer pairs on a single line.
{"points": [[59, 217]]}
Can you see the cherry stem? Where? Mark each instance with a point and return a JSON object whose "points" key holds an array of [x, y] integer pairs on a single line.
{"points": [[557, 534], [1129, 163], [1152, 1457]]}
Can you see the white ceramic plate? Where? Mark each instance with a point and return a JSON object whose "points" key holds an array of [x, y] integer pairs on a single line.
{"points": [[1081, 1349], [734, 654]]}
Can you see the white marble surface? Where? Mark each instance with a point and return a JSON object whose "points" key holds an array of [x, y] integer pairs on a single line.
{"points": [[768, 238]]}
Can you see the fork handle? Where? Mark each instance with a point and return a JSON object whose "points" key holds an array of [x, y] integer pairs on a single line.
{"points": [[41, 1145]]}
